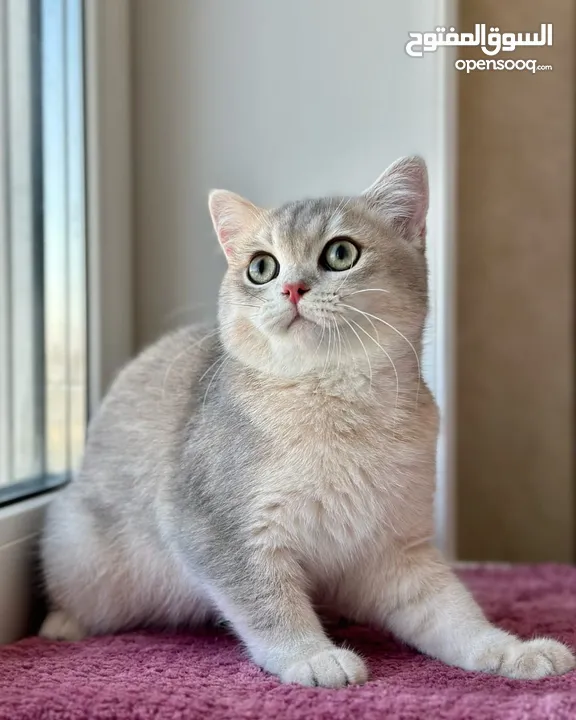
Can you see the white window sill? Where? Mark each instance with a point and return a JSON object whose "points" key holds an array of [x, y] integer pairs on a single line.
{"points": [[20, 524]]}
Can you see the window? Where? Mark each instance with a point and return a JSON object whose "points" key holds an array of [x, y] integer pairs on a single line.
{"points": [[42, 245]]}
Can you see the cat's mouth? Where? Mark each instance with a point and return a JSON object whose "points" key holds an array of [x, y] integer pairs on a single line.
{"points": [[298, 319]]}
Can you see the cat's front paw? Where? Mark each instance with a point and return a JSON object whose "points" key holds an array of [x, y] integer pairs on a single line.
{"points": [[528, 660], [58, 625], [330, 668]]}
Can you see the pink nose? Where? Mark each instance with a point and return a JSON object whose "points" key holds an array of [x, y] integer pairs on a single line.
{"points": [[294, 291]]}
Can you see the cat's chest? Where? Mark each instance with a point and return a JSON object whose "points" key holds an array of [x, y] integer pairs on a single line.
{"points": [[330, 484], [316, 443], [330, 487], [326, 517]]}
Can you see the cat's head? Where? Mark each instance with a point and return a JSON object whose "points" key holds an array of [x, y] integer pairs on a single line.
{"points": [[322, 284]]}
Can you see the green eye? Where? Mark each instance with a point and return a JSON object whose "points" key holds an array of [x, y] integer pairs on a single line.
{"points": [[263, 268], [340, 254]]}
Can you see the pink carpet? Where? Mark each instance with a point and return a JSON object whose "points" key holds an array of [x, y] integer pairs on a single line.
{"points": [[145, 676]]}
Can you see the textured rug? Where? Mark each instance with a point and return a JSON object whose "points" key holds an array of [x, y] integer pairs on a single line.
{"points": [[150, 676]]}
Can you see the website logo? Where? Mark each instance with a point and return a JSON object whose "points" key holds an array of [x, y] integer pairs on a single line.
{"points": [[491, 43]]}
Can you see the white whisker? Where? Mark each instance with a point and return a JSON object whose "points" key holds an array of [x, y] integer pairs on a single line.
{"points": [[320, 341], [323, 372], [367, 290], [363, 347], [340, 205], [326, 362], [187, 349], [233, 304], [255, 297], [339, 344], [375, 317], [374, 328], [208, 370], [261, 216], [337, 291], [391, 362], [223, 362], [343, 204]]}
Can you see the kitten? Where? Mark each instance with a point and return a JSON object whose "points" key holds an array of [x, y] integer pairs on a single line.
{"points": [[283, 460]]}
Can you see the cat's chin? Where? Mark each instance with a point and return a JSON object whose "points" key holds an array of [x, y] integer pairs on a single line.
{"points": [[292, 325], [302, 331], [297, 322]]}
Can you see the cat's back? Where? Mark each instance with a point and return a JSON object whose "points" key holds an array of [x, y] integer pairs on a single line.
{"points": [[102, 529], [135, 437], [158, 390]]}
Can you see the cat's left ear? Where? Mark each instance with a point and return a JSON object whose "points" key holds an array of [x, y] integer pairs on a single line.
{"points": [[231, 216], [400, 195]]}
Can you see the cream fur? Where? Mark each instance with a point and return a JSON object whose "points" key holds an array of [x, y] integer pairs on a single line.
{"points": [[264, 469]]}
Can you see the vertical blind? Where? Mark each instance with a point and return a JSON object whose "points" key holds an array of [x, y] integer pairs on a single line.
{"points": [[42, 245]]}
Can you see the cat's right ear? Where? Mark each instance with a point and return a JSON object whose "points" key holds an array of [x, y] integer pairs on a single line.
{"points": [[231, 215], [401, 196]]}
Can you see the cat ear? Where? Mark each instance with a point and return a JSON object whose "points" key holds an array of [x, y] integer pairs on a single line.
{"points": [[231, 214], [400, 195]]}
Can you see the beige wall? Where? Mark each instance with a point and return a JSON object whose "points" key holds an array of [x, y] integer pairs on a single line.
{"points": [[251, 113], [221, 98], [515, 302]]}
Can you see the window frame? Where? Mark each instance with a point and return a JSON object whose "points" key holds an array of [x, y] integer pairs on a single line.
{"points": [[21, 250], [42, 246], [107, 113]]}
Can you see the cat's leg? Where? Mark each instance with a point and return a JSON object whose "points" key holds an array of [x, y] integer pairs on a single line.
{"points": [[100, 583], [419, 598], [266, 602], [60, 625]]}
